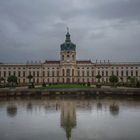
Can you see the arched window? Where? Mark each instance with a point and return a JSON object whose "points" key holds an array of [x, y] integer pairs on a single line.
{"points": [[83, 73], [68, 72], [63, 72], [73, 80], [63, 80], [53, 73], [73, 57], [88, 73], [72, 72]]}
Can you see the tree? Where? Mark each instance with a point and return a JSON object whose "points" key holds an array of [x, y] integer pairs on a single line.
{"points": [[31, 84], [12, 80], [133, 81], [128, 78], [30, 78], [114, 109], [113, 79], [2, 82], [12, 110], [98, 77], [2, 79]]}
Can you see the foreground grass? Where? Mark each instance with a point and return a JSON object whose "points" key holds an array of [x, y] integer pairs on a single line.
{"points": [[65, 86]]}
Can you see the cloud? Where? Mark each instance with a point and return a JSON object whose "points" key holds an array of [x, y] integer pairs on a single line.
{"points": [[34, 29]]}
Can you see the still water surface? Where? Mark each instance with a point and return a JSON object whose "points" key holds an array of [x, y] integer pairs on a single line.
{"points": [[70, 119]]}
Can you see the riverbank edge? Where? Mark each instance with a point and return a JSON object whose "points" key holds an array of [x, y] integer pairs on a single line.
{"points": [[76, 91]]}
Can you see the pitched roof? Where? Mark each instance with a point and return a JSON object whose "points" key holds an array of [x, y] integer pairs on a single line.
{"points": [[52, 62], [84, 62]]}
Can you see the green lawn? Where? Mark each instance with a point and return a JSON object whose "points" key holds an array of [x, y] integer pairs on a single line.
{"points": [[65, 86]]}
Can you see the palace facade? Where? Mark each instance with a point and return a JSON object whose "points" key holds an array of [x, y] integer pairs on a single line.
{"points": [[68, 69]]}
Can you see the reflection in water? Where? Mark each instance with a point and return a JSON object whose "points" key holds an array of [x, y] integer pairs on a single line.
{"points": [[99, 105], [114, 109], [12, 110], [29, 106], [68, 117], [44, 120]]}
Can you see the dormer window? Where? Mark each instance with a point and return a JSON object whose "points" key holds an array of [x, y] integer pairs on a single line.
{"points": [[73, 57]]}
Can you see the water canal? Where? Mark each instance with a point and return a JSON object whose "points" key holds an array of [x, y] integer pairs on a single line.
{"points": [[69, 118]]}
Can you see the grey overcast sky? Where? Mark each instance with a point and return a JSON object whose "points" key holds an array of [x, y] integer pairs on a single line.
{"points": [[101, 29]]}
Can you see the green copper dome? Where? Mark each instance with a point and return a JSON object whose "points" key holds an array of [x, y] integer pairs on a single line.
{"points": [[68, 45]]}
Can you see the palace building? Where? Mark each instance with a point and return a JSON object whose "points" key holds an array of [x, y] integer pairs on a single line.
{"points": [[68, 69]]}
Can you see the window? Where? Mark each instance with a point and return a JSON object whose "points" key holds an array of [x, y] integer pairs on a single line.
{"points": [[72, 72], [48, 73], [131, 73], [37, 73], [43, 73], [102, 73], [127, 73], [121, 73], [83, 73], [88, 73], [4, 73], [63, 80], [112, 72], [23, 73], [68, 72], [117, 73], [19, 74], [57, 73], [78, 73], [62, 57], [78, 80], [9, 73], [63, 72], [73, 80], [57, 80], [33, 73], [14, 73], [92, 73], [106, 73], [136, 73], [53, 73], [73, 57]]}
